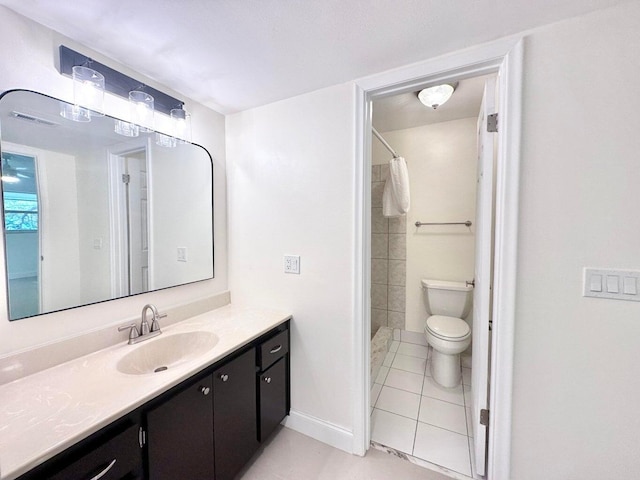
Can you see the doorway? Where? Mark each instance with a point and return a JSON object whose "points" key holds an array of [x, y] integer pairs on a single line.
{"points": [[130, 220], [435, 241], [505, 59]]}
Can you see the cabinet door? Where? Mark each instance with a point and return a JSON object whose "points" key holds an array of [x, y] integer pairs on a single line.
{"points": [[118, 457], [180, 435], [234, 412], [272, 400]]}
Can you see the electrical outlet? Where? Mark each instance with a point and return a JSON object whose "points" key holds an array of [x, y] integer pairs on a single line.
{"points": [[292, 264], [182, 254]]}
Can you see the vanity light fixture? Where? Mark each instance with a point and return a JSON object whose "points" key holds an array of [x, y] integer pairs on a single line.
{"points": [[88, 95], [141, 110], [437, 95], [181, 123], [118, 84], [166, 141]]}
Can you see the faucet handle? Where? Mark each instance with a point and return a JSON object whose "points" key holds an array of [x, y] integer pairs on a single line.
{"points": [[155, 325], [133, 332]]}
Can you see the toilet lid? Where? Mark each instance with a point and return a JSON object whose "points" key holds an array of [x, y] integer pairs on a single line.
{"points": [[448, 327]]}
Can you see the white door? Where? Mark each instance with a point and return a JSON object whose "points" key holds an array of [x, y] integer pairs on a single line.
{"points": [[136, 165], [483, 277]]}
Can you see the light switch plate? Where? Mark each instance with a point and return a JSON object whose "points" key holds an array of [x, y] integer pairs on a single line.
{"points": [[292, 264], [613, 284], [182, 254]]}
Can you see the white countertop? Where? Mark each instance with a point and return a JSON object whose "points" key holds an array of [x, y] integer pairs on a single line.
{"points": [[43, 414]]}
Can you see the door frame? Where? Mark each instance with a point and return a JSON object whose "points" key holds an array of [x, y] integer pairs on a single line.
{"points": [[506, 57]]}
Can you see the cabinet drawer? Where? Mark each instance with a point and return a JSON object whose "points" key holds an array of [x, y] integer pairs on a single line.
{"points": [[272, 407], [115, 459], [273, 349]]}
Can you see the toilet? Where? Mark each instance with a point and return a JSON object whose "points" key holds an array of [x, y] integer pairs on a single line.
{"points": [[447, 304]]}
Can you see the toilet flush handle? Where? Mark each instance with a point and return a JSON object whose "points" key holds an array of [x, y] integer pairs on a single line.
{"points": [[472, 283]]}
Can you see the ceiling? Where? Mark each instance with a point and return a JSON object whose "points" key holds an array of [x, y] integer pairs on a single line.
{"points": [[232, 55], [406, 111]]}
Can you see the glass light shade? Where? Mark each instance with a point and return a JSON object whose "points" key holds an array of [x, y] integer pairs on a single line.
{"points": [[181, 124], [166, 141], [74, 112], [126, 129], [141, 107], [88, 89], [435, 96]]}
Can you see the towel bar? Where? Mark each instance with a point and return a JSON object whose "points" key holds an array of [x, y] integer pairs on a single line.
{"points": [[467, 223]]}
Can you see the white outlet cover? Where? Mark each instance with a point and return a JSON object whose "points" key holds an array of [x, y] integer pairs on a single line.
{"points": [[292, 264]]}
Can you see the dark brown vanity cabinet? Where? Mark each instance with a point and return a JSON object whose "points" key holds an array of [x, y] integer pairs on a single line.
{"points": [[114, 453], [273, 383], [179, 434], [234, 415], [205, 428]]}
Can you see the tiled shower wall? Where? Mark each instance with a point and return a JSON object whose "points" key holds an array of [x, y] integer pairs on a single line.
{"points": [[388, 260]]}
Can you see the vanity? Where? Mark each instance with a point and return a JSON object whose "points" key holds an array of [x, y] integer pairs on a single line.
{"points": [[200, 418], [94, 211]]}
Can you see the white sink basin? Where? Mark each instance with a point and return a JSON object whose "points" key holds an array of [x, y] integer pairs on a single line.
{"points": [[166, 352]]}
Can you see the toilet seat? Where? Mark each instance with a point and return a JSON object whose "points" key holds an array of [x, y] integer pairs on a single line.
{"points": [[451, 329]]}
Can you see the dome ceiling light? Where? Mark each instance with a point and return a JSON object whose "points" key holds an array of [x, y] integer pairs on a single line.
{"points": [[437, 95]]}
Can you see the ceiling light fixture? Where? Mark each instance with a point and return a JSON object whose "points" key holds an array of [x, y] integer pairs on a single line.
{"points": [[437, 95]]}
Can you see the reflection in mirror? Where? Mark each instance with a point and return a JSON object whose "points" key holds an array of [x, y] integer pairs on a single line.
{"points": [[92, 215]]}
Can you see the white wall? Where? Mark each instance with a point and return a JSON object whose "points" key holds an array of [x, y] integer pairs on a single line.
{"points": [[291, 179], [27, 59], [576, 359], [442, 163], [174, 222], [576, 384]]}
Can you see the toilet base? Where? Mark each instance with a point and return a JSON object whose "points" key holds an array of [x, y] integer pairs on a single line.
{"points": [[445, 369]]}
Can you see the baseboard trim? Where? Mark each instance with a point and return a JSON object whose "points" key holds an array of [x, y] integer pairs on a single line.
{"points": [[320, 430]]}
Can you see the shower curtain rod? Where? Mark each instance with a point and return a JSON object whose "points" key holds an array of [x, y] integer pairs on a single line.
{"points": [[384, 142]]}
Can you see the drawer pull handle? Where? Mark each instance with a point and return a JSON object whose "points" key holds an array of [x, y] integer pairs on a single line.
{"points": [[205, 390], [224, 377], [267, 379], [104, 472], [276, 349]]}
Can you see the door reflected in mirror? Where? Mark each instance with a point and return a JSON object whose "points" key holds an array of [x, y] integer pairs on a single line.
{"points": [[92, 215]]}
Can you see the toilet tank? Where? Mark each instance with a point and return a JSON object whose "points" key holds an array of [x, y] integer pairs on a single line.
{"points": [[443, 297]]}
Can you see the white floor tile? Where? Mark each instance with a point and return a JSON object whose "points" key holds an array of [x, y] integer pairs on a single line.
{"points": [[413, 350], [382, 375], [466, 376], [394, 346], [289, 455], [443, 414], [413, 337], [409, 364], [388, 359], [433, 390], [399, 402], [375, 393], [467, 412], [442, 447], [393, 430], [468, 398], [411, 382]]}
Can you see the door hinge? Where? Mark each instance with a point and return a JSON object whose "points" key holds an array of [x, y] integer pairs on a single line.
{"points": [[492, 123], [142, 437], [125, 178], [484, 417]]}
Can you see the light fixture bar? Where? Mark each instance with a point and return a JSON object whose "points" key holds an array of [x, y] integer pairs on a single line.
{"points": [[116, 82]]}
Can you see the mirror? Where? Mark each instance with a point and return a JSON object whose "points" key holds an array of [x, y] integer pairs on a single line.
{"points": [[91, 215]]}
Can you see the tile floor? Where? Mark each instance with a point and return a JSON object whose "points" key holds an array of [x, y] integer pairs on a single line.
{"points": [[289, 455], [413, 414]]}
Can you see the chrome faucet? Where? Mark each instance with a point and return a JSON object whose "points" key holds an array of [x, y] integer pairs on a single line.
{"points": [[145, 331]]}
